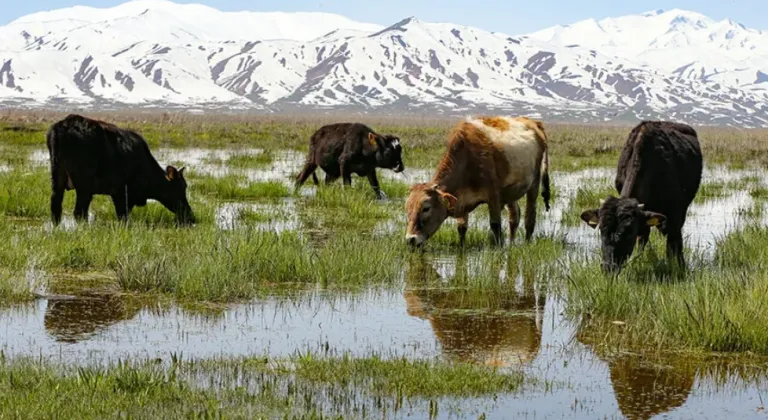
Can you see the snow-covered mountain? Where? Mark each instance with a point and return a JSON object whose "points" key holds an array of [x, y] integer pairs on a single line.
{"points": [[673, 64]]}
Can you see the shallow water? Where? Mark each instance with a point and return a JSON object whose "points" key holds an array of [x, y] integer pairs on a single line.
{"points": [[521, 328], [518, 329]]}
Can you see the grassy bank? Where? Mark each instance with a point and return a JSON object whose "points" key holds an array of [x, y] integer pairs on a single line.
{"points": [[719, 305], [303, 386], [202, 263]]}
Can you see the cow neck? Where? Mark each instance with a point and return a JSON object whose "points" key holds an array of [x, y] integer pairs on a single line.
{"points": [[158, 184], [631, 180], [448, 185], [449, 177]]}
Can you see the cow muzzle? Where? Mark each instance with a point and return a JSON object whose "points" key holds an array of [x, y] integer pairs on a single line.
{"points": [[399, 168], [415, 241]]}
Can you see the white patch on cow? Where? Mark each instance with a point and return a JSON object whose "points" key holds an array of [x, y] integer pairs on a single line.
{"points": [[418, 239], [520, 147], [395, 143]]}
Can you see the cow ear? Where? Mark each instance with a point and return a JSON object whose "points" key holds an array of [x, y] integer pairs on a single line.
{"points": [[653, 219], [372, 141], [170, 173], [181, 171], [591, 218], [449, 200]]}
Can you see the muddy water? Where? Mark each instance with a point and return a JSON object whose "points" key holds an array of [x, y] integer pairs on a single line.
{"points": [[521, 327]]}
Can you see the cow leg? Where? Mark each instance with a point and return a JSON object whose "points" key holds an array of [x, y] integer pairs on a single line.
{"points": [[642, 237], [58, 186], [120, 200], [514, 219], [462, 221], [494, 208], [330, 179], [346, 174], [530, 210], [374, 181], [82, 203], [675, 247]]}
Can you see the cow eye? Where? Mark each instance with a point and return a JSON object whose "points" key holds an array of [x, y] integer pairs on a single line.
{"points": [[425, 209]]}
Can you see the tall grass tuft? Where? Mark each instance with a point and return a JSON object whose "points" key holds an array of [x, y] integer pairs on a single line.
{"points": [[215, 265], [716, 305]]}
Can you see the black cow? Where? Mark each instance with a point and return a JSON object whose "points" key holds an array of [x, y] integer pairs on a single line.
{"points": [[658, 176], [345, 148], [95, 157]]}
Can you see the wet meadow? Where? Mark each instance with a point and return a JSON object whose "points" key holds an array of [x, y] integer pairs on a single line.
{"points": [[308, 304]]}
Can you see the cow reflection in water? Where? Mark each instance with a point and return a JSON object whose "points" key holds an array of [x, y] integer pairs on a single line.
{"points": [[74, 320], [495, 326], [645, 389]]}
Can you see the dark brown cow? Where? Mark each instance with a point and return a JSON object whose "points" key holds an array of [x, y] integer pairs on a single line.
{"points": [[345, 148], [95, 157], [658, 176], [493, 160]]}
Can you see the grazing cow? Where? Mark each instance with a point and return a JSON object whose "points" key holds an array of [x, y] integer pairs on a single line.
{"points": [[95, 157], [345, 148], [658, 176], [493, 160]]}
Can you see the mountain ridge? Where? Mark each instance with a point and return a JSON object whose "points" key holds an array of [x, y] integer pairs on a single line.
{"points": [[155, 53]]}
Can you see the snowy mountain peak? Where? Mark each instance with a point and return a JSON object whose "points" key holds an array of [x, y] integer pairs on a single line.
{"points": [[159, 18], [653, 13], [661, 64]]}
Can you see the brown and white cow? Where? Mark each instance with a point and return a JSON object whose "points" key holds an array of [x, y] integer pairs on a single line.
{"points": [[491, 160]]}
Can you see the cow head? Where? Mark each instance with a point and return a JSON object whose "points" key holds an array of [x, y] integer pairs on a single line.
{"points": [[427, 207], [176, 195], [620, 220], [388, 151]]}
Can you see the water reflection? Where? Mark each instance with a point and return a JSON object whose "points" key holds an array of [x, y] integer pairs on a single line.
{"points": [[495, 326], [78, 319], [644, 390], [644, 387]]}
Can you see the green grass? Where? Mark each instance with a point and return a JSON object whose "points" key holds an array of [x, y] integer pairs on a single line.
{"points": [[717, 306], [201, 263], [343, 208], [253, 216], [588, 197], [237, 187], [218, 266], [402, 377], [305, 385], [16, 285], [26, 192], [718, 188], [258, 160]]}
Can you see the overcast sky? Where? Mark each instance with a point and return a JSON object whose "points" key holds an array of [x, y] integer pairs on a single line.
{"points": [[512, 17]]}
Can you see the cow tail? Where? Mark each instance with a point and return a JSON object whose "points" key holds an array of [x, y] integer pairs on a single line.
{"points": [[50, 140], [545, 191], [544, 141]]}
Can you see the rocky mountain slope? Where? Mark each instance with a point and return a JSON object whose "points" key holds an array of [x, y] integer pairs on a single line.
{"points": [[673, 64]]}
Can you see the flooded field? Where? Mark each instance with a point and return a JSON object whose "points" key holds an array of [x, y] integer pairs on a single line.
{"points": [[91, 296]]}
